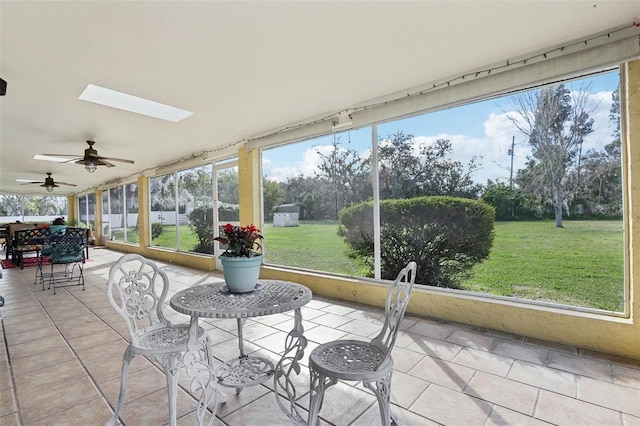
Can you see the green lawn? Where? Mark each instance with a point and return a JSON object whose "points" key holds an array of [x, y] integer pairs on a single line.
{"points": [[312, 245], [579, 265]]}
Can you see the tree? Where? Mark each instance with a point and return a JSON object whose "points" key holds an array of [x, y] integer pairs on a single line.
{"points": [[556, 123], [314, 195], [272, 193], [347, 173], [407, 170]]}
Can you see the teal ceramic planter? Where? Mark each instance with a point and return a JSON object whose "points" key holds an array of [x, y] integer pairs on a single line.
{"points": [[241, 273]]}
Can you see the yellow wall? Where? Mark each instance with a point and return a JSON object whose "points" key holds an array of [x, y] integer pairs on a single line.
{"points": [[615, 335]]}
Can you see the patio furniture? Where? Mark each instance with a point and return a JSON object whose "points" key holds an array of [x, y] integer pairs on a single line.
{"points": [[67, 250], [355, 360], [269, 297], [11, 229], [45, 251], [137, 289], [27, 240]]}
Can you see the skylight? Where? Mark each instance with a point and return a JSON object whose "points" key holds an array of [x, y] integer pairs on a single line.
{"points": [[119, 100]]}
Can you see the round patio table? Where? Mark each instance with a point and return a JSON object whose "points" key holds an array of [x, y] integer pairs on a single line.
{"points": [[269, 297]]}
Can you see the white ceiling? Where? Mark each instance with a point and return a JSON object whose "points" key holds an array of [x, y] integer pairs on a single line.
{"points": [[243, 68]]}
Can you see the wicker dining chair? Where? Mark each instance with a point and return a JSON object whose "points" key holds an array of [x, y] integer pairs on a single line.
{"points": [[355, 360]]}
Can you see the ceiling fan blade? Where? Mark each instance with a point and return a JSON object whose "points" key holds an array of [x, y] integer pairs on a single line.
{"points": [[31, 183], [61, 155], [121, 160], [65, 183]]}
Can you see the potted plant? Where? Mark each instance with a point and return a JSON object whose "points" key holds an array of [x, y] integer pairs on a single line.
{"points": [[58, 225], [240, 261]]}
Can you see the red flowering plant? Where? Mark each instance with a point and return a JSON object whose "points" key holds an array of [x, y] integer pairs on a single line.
{"points": [[240, 240]]}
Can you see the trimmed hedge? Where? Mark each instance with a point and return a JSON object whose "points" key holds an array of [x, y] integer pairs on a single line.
{"points": [[446, 236]]}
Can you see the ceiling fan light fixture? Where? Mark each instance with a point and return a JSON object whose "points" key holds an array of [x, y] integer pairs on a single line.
{"points": [[49, 188], [90, 166]]}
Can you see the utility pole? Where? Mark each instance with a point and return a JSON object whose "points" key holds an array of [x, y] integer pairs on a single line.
{"points": [[513, 143]]}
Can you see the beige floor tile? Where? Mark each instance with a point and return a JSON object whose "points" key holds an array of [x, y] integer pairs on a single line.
{"points": [[544, 378], [371, 417], [38, 359], [627, 376], [110, 368], [472, 339], [153, 409], [405, 389], [342, 404], [8, 402], [91, 412], [432, 329], [617, 397], [140, 383], [93, 339], [562, 410], [501, 416], [322, 334], [37, 334], [503, 392], [5, 378], [331, 320], [404, 360], [628, 420], [444, 373], [435, 348], [108, 350], [42, 346], [22, 325], [581, 366], [448, 407], [46, 402], [10, 419], [365, 329], [44, 378], [521, 351], [484, 361]]}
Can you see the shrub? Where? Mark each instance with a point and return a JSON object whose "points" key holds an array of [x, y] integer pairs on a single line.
{"points": [[446, 236], [156, 230], [201, 223]]}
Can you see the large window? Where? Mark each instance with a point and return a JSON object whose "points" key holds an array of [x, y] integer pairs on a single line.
{"points": [[548, 161], [182, 210], [31, 208], [120, 213], [86, 210]]}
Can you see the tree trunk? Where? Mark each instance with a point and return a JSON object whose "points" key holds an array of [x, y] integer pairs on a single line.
{"points": [[558, 206]]}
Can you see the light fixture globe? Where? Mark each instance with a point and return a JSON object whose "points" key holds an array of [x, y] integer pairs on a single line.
{"points": [[49, 188], [90, 166]]}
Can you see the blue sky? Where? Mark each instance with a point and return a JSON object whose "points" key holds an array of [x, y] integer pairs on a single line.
{"points": [[480, 129]]}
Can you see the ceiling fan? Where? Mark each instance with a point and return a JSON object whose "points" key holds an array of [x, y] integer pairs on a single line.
{"points": [[90, 159], [48, 183]]}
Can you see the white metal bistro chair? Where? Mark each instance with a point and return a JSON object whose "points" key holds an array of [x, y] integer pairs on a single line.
{"points": [[355, 360], [137, 289]]}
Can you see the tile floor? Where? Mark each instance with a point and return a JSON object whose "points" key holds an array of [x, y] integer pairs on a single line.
{"points": [[61, 356]]}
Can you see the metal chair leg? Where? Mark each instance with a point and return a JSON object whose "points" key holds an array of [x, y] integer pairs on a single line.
{"points": [[126, 360]]}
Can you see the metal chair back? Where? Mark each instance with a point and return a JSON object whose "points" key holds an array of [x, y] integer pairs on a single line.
{"points": [[137, 289], [396, 304]]}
